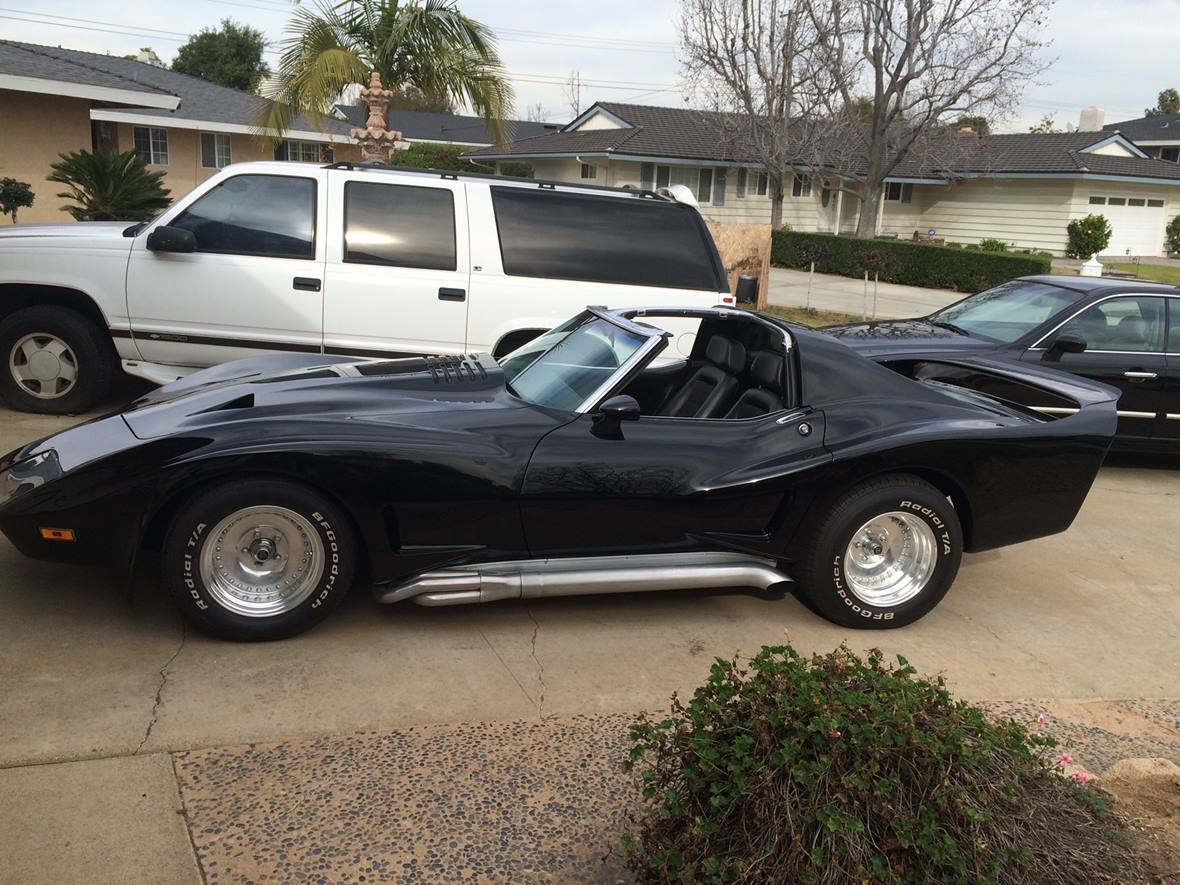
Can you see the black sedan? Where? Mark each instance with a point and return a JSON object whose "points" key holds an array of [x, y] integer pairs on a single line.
{"points": [[1121, 332], [622, 451]]}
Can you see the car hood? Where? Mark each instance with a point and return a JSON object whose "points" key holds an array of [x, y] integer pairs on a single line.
{"points": [[98, 230], [904, 336], [298, 388]]}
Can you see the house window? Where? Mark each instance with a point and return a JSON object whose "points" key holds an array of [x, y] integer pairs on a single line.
{"points": [[214, 150], [1155, 204], [1136, 202], [897, 192], [742, 179], [1097, 201], [761, 184], [801, 185], [589, 171], [1117, 201], [151, 145], [1172, 155], [697, 180], [104, 136], [303, 152]]}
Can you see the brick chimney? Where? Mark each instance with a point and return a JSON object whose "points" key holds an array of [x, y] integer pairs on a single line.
{"points": [[1091, 120]]}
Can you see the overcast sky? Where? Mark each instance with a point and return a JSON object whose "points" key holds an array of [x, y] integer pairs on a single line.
{"points": [[1117, 54]]}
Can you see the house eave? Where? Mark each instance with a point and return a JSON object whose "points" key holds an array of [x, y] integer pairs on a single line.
{"points": [[70, 89], [115, 116]]}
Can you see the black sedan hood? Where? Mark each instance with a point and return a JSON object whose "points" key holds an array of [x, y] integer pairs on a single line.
{"points": [[310, 386], [887, 337]]}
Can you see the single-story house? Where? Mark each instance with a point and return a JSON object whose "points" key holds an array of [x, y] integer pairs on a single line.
{"points": [[435, 128], [55, 100], [1022, 189], [1159, 135]]}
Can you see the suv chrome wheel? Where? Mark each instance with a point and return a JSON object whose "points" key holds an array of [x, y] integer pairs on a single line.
{"points": [[262, 561], [890, 559], [43, 365]]}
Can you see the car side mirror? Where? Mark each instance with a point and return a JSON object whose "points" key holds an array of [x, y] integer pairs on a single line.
{"points": [[611, 414], [1067, 342], [171, 239]]}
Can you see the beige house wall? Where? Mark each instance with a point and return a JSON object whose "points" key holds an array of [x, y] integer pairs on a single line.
{"points": [[34, 129]]}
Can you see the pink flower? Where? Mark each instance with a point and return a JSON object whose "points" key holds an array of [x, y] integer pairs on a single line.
{"points": [[1040, 721], [1066, 758], [787, 632], [1081, 777]]}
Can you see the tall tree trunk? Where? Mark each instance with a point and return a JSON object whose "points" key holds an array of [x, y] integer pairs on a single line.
{"points": [[870, 202], [776, 202]]}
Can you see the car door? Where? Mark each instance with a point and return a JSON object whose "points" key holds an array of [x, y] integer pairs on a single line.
{"points": [[398, 265], [254, 283], [664, 484], [1169, 428], [1124, 337]]}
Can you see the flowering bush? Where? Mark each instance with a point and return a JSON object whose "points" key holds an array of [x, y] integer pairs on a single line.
{"points": [[1087, 236], [840, 769]]}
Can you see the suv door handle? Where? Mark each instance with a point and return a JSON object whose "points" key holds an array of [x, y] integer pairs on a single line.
{"points": [[445, 294], [307, 284], [1140, 376]]}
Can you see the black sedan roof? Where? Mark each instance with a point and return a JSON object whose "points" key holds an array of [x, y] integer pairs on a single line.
{"points": [[1090, 285]]}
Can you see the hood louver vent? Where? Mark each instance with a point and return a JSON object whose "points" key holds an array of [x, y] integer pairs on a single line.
{"points": [[455, 369]]}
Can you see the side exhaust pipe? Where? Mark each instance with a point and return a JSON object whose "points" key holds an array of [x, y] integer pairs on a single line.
{"points": [[584, 576]]}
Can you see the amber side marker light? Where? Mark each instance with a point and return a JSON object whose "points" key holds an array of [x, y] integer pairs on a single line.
{"points": [[58, 534]]}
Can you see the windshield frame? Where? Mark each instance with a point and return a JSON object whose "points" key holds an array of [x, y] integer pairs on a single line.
{"points": [[655, 340], [1032, 332]]}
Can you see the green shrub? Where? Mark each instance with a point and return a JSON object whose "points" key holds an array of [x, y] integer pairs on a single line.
{"points": [[990, 245], [109, 186], [424, 155], [1087, 236], [914, 264], [516, 169], [14, 195], [952, 245], [1172, 234], [837, 769]]}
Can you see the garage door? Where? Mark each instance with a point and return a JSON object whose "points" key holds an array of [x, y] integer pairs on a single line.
{"points": [[1137, 223]]}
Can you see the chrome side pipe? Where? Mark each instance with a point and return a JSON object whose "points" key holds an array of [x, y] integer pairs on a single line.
{"points": [[584, 576]]}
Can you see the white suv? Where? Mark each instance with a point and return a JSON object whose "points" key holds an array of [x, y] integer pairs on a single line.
{"points": [[345, 258]]}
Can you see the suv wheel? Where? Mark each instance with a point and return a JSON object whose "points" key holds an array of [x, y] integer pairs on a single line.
{"points": [[55, 361], [882, 555]]}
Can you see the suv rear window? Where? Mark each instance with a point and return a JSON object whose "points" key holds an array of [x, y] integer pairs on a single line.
{"points": [[603, 239]]}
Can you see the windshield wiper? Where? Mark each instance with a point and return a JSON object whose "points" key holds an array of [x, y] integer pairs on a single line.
{"points": [[945, 325]]}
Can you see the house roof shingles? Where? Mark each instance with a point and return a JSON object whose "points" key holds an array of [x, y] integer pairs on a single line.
{"points": [[680, 133], [200, 100], [1161, 127], [455, 128]]}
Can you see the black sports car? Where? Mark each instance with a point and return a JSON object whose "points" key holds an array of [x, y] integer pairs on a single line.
{"points": [[1121, 332], [759, 455]]}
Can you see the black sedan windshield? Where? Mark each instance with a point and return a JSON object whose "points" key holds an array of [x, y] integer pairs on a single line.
{"points": [[1009, 311]]}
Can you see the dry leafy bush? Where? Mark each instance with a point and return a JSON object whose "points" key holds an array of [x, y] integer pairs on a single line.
{"points": [[840, 769]]}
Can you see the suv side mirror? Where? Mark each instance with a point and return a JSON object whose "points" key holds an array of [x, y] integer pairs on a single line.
{"points": [[1067, 342], [612, 413], [171, 239]]}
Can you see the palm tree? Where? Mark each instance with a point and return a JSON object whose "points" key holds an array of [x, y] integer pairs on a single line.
{"points": [[425, 44], [108, 186]]}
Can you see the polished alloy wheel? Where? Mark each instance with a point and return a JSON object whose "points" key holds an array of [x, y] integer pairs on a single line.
{"points": [[890, 559], [262, 561], [43, 365]]}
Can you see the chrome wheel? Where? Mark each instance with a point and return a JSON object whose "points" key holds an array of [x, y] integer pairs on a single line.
{"points": [[43, 365], [890, 559], [262, 561]]}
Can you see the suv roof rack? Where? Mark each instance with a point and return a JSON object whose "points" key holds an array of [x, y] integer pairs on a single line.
{"points": [[546, 183]]}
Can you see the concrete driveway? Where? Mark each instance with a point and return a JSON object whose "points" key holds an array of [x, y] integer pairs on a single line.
{"points": [[100, 680], [798, 288]]}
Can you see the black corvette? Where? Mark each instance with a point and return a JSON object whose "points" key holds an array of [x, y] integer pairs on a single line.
{"points": [[1121, 332], [761, 456]]}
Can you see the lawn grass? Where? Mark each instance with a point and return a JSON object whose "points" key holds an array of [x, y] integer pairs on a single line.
{"points": [[811, 316], [1159, 273]]}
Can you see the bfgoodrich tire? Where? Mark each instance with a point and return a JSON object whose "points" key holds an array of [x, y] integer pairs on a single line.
{"points": [[259, 560], [54, 361], [882, 555]]}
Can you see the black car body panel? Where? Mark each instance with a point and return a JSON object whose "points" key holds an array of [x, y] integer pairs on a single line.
{"points": [[437, 462]]}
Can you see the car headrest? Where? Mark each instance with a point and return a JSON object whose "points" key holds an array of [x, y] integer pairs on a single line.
{"points": [[726, 353], [766, 370]]}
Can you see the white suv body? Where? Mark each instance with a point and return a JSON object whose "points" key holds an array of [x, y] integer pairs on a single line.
{"points": [[349, 259]]}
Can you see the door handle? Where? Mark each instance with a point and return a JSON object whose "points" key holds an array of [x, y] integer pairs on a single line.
{"points": [[1136, 377], [307, 284], [445, 294]]}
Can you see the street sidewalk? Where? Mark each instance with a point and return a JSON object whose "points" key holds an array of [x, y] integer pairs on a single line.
{"points": [[788, 288]]}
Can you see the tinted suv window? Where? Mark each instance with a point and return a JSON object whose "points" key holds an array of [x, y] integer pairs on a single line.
{"points": [[272, 215], [399, 225], [1125, 324], [602, 239]]}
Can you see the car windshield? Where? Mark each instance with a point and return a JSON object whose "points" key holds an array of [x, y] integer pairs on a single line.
{"points": [[564, 367], [1009, 311]]}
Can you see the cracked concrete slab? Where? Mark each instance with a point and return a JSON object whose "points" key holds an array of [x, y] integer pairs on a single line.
{"points": [[99, 821]]}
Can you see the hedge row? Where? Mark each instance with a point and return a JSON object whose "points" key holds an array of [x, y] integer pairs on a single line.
{"points": [[898, 261]]}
